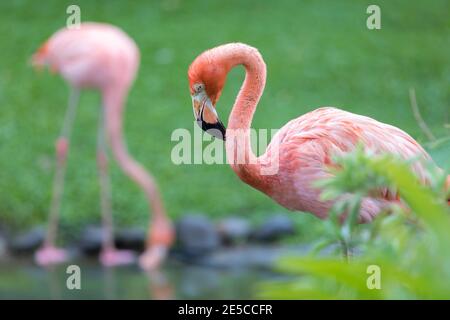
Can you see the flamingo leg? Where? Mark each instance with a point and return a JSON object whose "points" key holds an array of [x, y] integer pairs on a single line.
{"points": [[49, 253], [109, 255], [105, 189]]}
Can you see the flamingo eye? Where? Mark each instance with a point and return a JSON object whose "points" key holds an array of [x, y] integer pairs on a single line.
{"points": [[198, 87]]}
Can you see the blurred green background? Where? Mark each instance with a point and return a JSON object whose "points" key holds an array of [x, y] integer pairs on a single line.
{"points": [[317, 52]]}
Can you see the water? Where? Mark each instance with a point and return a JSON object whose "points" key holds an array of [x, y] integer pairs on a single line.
{"points": [[24, 280]]}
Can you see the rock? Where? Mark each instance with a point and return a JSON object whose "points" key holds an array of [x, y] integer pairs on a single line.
{"points": [[251, 256], [91, 238], [234, 230], [27, 242], [273, 229], [196, 235], [131, 239], [3, 246]]}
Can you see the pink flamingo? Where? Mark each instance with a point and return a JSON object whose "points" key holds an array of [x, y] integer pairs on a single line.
{"points": [[102, 57], [301, 148]]}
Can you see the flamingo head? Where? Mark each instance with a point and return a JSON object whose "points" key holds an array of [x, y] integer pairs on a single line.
{"points": [[41, 58], [161, 237], [206, 81]]}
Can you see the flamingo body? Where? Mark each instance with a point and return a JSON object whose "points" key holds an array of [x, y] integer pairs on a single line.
{"points": [[308, 143], [95, 55], [103, 57], [303, 147]]}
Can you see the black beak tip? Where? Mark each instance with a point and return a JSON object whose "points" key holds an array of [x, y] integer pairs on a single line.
{"points": [[217, 129]]}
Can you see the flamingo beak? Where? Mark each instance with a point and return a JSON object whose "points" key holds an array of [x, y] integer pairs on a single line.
{"points": [[206, 116], [153, 257]]}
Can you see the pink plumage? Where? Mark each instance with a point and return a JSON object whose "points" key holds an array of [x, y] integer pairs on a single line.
{"points": [[308, 143], [102, 57], [304, 146], [95, 55]]}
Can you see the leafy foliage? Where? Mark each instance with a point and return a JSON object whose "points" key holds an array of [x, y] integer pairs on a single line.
{"points": [[410, 246]]}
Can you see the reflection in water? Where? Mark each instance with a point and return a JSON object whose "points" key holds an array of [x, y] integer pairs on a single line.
{"points": [[175, 281], [194, 281], [55, 285], [159, 286], [109, 283]]}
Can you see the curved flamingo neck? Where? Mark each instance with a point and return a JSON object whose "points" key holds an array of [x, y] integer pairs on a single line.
{"points": [[114, 103], [253, 87], [238, 143]]}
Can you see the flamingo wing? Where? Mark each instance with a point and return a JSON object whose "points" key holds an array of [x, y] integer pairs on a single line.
{"points": [[312, 140]]}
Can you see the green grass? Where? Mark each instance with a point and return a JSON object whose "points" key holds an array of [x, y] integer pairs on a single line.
{"points": [[317, 52]]}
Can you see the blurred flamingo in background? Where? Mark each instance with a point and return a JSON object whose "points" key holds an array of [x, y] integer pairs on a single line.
{"points": [[302, 148], [102, 57]]}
